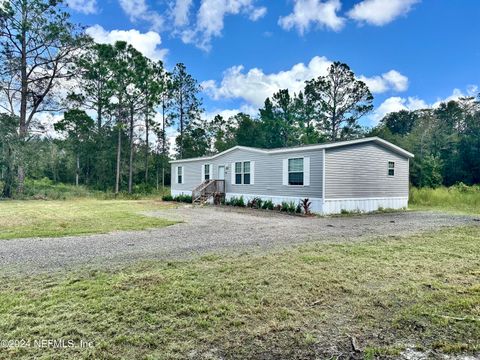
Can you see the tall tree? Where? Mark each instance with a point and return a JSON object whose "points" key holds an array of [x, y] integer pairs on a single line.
{"points": [[8, 147], [186, 102], [341, 100], [78, 127], [400, 122], [94, 78], [223, 133], [38, 44]]}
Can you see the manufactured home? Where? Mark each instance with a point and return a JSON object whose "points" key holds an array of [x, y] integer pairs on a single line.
{"points": [[358, 175]]}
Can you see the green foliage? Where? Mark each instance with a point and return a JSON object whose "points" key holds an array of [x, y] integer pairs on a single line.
{"points": [[457, 198], [236, 201], [46, 189], [167, 197], [341, 111], [288, 207], [268, 205], [183, 198], [255, 203], [9, 146], [444, 141]]}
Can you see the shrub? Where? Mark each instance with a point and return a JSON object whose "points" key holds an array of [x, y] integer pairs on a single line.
{"points": [[234, 201], [183, 198], [306, 205], [292, 207], [298, 209], [284, 207], [255, 203], [167, 198], [46, 189], [268, 205]]}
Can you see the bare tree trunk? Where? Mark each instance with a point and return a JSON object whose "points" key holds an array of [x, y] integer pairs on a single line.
{"points": [[147, 146], [77, 172], [23, 99], [130, 164], [119, 150], [163, 180]]}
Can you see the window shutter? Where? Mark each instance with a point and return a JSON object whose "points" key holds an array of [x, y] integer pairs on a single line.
{"points": [[285, 171], [203, 172], [252, 172], [232, 169], [175, 181], [306, 171]]}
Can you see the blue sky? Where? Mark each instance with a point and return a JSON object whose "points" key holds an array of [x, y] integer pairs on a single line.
{"points": [[412, 53]]}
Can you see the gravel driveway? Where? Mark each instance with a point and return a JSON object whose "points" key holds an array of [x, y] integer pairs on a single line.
{"points": [[209, 229]]}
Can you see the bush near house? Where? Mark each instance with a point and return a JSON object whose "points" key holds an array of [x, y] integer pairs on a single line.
{"points": [[180, 198]]}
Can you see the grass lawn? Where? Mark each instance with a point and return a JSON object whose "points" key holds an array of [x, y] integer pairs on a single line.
{"points": [[20, 219], [387, 294]]}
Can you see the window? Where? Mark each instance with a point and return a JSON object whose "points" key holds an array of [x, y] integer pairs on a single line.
{"points": [[246, 172], [242, 173], [207, 171], [238, 173], [295, 171], [391, 168], [180, 174]]}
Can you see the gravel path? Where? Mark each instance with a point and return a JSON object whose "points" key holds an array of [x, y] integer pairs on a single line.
{"points": [[206, 230]]}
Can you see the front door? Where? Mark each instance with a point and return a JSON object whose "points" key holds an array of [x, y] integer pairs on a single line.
{"points": [[221, 172]]}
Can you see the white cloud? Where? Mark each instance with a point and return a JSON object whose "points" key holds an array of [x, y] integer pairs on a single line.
{"points": [[258, 13], [83, 6], [397, 103], [147, 43], [380, 12], [391, 80], [313, 12], [138, 10], [210, 19], [181, 12], [254, 85]]}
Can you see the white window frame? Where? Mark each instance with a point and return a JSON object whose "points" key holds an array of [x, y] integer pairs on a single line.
{"points": [[390, 168], [209, 172], [242, 172], [306, 171], [180, 172], [303, 171]]}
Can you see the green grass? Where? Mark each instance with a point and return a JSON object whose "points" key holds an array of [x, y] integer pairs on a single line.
{"points": [[20, 219], [421, 291], [458, 199]]}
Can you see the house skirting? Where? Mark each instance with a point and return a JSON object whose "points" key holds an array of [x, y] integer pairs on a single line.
{"points": [[327, 206], [335, 206], [180, 192]]}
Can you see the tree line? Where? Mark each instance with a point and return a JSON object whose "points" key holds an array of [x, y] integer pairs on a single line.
{"points": [[116, 108]]}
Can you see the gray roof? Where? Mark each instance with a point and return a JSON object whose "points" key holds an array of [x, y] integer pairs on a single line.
{"points": [[331, 145]]}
